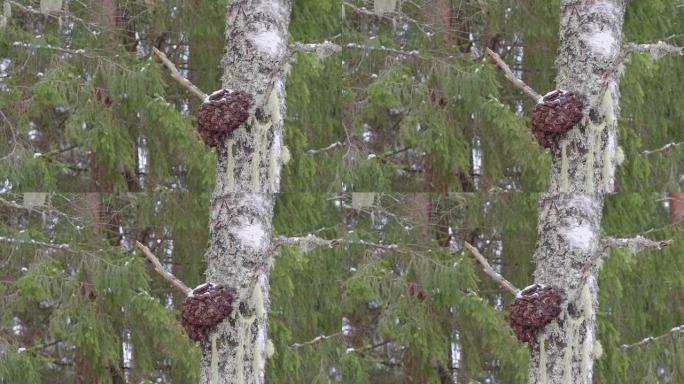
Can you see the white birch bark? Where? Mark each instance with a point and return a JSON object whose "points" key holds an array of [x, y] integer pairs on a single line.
{"points": [[583, 172], [247, 178]]}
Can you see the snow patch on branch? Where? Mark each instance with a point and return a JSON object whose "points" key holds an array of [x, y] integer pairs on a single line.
{"points": [[580, 236]]}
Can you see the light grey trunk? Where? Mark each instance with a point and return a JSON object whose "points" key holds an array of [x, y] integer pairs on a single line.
{"points": [[247, 178], [583, 172]]}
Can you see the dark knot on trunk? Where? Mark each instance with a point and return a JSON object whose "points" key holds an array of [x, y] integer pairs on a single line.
{"points": [[222, 113], [207, 306], [533, 309], [556, 114]]}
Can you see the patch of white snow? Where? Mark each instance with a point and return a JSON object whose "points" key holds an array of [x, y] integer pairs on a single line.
{"points": [[252, 235], [580, 236], [602, 42], [269, 42]]}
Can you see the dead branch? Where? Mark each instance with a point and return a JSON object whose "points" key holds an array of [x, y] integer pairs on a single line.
{"points": [[312, 152], [307, 243], [671, 333], [656, 50], [526, 89], [159, 268], [507, 285], [634, 244], [315, 340], [322, 50], [661, 149], [176, 75]]}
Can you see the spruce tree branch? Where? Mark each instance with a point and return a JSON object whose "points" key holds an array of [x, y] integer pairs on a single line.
{"points": [[61, 247], [661, 149], [315, 340], [671, 333], [176, 75], [526, 89], [656, 50], [507, 285], [322, 50], [634, 244], [159, 268], [20, 44], [90, 27]]}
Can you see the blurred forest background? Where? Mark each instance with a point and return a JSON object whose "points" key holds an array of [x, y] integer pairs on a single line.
{"points": [[405, 144]]}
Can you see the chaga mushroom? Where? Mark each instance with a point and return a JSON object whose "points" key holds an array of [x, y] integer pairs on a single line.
{"points": [[533, 309], [222, 113], [205, 308], [556, 114]]}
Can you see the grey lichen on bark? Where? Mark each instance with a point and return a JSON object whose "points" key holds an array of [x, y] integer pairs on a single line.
{"points": [[568, 234], [256, 49], [247, 179], [590, 41], [583, 171]]}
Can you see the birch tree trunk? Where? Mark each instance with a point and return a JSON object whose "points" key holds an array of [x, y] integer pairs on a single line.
{"points": [[247, 178], [583, 171]]}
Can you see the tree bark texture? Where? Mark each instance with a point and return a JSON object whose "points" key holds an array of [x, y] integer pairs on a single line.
{"points": [[583, 171], [247, 178]]}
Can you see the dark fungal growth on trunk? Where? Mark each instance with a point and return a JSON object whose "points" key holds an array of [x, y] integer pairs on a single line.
{"points": [[533, 309], [205, 308], [222, 113], [556, 114]]}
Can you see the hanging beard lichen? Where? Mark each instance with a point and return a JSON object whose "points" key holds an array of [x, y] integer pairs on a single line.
{"points": [[244, 330], [214, 360]]}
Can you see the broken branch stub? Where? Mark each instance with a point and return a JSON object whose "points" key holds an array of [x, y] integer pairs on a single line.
{"points": [[222, 113], [205, 308], [533, 309], [557, 113]]}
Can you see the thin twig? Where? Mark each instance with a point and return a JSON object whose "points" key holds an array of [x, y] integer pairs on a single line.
{"points": [[159, 268], [314, 340], [311, 152], [672, 332], [14, 136], [507, 285], [526, 89], [635, 244], [367, 347], [661, 149], [176, 75]]}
